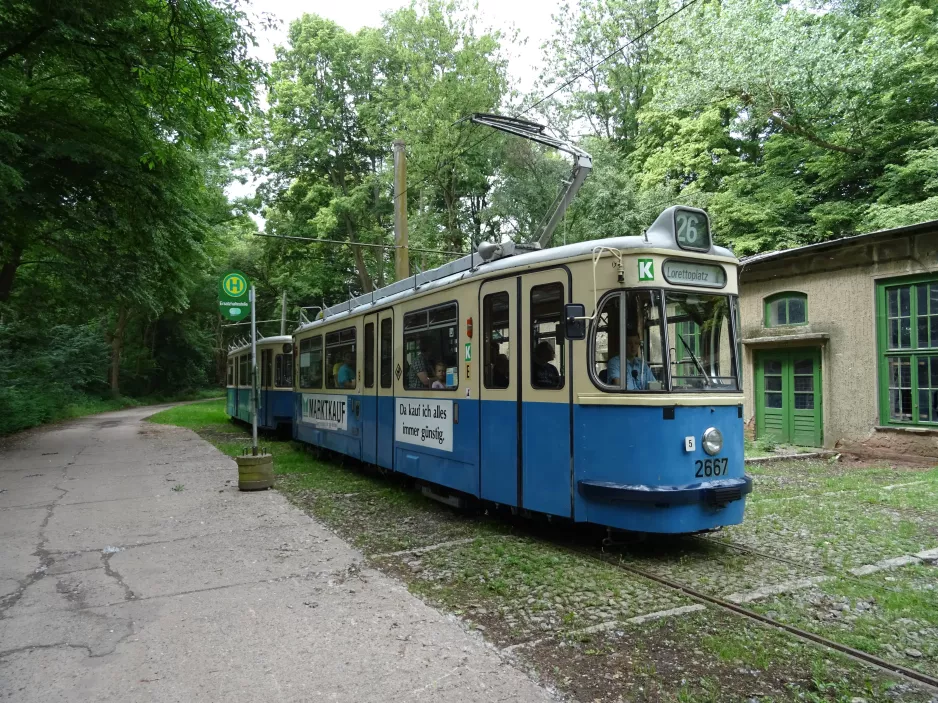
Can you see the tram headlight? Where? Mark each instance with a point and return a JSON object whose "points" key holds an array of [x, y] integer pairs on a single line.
{"points": [[712, 441]]}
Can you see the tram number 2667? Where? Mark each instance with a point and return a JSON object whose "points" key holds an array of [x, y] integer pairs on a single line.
{"points": [[711, 467]]}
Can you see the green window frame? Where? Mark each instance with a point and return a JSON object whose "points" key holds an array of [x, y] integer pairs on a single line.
{"points": [[690, 332], [787, 309], [907, 345]]}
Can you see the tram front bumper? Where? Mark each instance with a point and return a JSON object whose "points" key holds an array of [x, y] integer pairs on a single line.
{"points": [[715, 493]]}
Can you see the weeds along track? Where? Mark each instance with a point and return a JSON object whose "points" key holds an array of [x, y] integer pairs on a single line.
{"points": [[706, 598]]}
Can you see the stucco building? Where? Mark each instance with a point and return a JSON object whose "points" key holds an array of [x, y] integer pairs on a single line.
{"points": [[840, 341]]}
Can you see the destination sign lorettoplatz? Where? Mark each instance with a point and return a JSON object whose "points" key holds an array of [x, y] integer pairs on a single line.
{"points": [[692, 273], [233, 299]]}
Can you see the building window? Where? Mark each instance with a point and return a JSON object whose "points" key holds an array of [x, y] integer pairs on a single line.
{"points": [[340, 358], [431, 354], [687, 344], [907, 313], [311, 362], [785, 309]]}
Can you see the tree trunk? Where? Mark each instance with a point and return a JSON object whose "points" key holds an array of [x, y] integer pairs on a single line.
{"points": [[363, 276], [221, 353], [8, 273], [379, 279], [117, 347]]}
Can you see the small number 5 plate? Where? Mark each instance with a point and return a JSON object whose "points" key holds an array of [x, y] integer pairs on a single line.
{"points": [[710, 467]]}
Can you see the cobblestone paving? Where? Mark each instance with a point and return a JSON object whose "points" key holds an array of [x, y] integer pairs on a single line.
{"points": [[519, 589]]}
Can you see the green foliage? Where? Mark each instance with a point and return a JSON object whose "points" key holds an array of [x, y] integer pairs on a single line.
{"points": [[43, 372], [114, 126], [337, 102]]}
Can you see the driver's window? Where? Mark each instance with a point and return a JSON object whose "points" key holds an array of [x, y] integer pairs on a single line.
{"points": [[643, 364], [606, 340], [633, 360]]}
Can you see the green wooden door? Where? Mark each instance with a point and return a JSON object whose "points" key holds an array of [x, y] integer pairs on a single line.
{"points": [[788, 396]]}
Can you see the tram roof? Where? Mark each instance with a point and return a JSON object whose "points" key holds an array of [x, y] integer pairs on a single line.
{"points": [[473, 266], [279, 339]]}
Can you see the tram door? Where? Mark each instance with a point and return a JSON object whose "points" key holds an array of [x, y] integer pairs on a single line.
{"points": [[545, 394], [370, 392], [499, 407], [378, 392], [525, 395]]}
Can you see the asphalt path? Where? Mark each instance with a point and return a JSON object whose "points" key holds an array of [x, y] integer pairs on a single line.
{"points": [[132, 569]]}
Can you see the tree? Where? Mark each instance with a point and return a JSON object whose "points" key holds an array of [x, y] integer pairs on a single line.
{"points": [[828, 109], [616, 84], [99, 94], [339, 100], [109, 108]]}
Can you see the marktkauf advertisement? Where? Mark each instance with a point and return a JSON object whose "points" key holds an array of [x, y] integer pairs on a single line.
{"points": [[328, 412], [426, 423]]}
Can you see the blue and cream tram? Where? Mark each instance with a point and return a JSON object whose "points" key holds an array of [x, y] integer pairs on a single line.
{"points": [[275, 382], [597, 382]]}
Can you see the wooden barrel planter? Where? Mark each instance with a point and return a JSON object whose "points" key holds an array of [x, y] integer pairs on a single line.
{"points": [[255, 473]]}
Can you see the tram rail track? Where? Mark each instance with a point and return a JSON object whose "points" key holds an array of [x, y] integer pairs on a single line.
{"points": [[825, 570], [695, 594]]}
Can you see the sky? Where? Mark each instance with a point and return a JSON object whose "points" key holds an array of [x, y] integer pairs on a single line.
{"points": [[534, 21]]}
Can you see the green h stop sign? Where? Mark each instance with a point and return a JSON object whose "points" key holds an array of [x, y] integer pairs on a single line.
{"points": [[233, 298]]}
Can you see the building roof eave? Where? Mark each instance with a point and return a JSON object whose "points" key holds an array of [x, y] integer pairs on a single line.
{"points": [[749, 262]]}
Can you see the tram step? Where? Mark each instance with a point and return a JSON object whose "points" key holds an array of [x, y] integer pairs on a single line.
{"points": [[451, 500]]}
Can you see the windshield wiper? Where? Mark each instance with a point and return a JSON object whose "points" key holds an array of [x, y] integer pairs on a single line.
{"points": [[695, 359]]}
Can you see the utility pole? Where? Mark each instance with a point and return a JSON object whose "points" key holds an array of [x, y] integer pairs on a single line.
{"points": [[401, 252], [283, 314]]}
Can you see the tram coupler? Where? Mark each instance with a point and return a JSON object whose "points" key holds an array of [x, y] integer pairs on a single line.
{"points": [[623, 538]]}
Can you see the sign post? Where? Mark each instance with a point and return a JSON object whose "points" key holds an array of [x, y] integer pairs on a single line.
{"points": [[253, 373], [236, 299]]}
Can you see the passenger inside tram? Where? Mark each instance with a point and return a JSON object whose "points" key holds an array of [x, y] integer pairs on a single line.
{"points": [[345, 377], [439, 376], [642, 351], [545, 373]]}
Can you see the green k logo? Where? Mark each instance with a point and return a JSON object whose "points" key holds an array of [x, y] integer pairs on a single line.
{"points": [[646, 269]]}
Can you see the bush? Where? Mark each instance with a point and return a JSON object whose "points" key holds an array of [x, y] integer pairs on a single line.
{"points": [[42, 373]]}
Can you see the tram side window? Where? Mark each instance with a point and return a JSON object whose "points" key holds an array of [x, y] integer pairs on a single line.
{"points": [[386, 352], [431, 339], [265, 367], [311, 362], [244, 376], [283, 371], [340, 358], [547, 355], [639, 313], [370, 355], [495, 342], [230, 372]]}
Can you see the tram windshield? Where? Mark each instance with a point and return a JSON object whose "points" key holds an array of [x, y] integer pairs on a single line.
{"points": [[697, 356], [701, 340]]}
